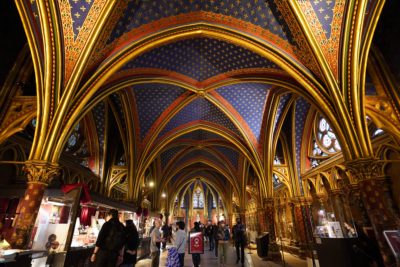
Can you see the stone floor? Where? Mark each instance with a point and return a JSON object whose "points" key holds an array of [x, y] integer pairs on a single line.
{"points": [[208, 259]]}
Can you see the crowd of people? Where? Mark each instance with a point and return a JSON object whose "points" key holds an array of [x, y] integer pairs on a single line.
{"points": [[218, 236], [117, 244]]}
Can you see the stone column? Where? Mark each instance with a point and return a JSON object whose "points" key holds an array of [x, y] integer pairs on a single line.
{"points": [[368, 174], [39, 176]]}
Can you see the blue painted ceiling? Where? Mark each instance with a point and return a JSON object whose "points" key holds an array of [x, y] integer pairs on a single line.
{"points": [[258, 12], [196, 154], [282, 103], [249, 100], [200, 58], [167, 155], [201, 135], [116, 100], [324, 11], [152, 100], [200, 109], [99, 116], [229, 153], [302, 108], [79, 12]]}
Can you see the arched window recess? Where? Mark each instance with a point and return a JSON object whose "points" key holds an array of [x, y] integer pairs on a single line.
{"points": [[324, 143]]}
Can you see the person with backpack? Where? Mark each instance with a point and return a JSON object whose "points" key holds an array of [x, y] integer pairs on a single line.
{"points": [[155, 244], [180, 242], [239, 237], [109, 244], [131, 245]]}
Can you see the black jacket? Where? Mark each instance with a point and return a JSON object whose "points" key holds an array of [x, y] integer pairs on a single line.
{"points": [[132, 243]]}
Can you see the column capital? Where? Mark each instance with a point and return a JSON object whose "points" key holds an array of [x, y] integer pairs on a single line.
{"points": [[336, 192], [268, 202], [41, 172], [300, 201], [365, 169]]}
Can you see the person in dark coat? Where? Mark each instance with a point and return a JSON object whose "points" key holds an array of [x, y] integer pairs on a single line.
{"points": [[210, 234], [131, 245], [239, 237], [215, 232], [110, 242]]}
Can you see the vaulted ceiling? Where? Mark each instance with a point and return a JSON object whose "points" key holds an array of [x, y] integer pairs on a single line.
{"points": [[197, 88]]}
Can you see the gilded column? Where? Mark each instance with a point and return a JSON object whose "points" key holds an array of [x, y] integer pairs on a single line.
{"points": [[242, 215], [39, 176], [373, 186], [274, 252], [261, 220], [354, 206], [300, 209]]}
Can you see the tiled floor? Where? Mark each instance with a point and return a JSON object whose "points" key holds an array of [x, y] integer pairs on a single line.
{"points": [[208, 259]]}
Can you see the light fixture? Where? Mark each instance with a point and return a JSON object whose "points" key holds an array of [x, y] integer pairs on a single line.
{"points": [[163, 195], [151, 184]]}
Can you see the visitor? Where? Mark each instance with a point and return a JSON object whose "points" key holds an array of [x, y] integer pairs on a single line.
{"points": [[210, 234], [196, 256], [152, 227], [155, 244], [216, 228], [180, 242], [239, 237], [109, 244], [165, 234], [3, 242], [131, 244], [223, 240]]}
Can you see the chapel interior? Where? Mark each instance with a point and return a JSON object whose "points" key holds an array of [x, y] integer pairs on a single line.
{"points": [[285, 114]]}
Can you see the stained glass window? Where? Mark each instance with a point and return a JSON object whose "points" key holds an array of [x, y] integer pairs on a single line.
{"points": [[73, 138], [324, 143], [277, 160], [121, 161], [276, 180], [183, 203], [198, 199], [327, 137]]}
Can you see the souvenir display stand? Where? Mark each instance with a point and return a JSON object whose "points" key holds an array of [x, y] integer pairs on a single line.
{"points": [[334, 240], [89, 219]]}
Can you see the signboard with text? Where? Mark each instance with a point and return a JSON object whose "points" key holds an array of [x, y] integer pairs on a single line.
{"points": [[196, 243]]}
